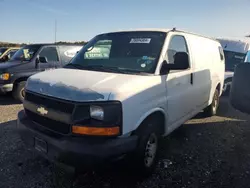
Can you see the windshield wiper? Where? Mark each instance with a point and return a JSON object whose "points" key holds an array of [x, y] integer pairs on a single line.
{"points": [[78, 66], [104, 68]]}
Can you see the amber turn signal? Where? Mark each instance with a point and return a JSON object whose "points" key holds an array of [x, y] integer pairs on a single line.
{"points": [[5, 76], [96, 131]]}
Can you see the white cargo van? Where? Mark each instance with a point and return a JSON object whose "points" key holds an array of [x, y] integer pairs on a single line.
{"points": [[235, 53], [120, 93]]}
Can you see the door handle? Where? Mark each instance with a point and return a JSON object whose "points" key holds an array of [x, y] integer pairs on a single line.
{"points": [[192, 78]]}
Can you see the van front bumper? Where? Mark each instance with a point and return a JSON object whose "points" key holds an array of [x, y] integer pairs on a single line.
{"points": [[4, 88], [74, 151]]}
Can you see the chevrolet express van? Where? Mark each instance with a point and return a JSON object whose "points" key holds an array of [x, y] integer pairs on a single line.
{"points": [[30, 60], [119, 95], [235, 53]]}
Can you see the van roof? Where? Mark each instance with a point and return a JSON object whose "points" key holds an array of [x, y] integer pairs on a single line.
{"points": [[162, 30]]}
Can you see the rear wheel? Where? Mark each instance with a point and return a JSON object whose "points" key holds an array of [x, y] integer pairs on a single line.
{"points": [[211, 110], [19, 91]]}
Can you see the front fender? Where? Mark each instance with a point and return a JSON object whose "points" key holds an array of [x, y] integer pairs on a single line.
{"points": [[147, 114]]}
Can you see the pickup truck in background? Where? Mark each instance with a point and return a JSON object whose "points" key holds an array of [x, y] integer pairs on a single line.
{"points": [[30, 60]]}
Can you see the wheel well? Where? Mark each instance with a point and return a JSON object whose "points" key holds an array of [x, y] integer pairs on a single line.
{"points": [[159, 117], [20, 80]]}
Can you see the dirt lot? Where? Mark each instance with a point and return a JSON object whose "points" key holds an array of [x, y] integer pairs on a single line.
{"points": [[205, 152]]}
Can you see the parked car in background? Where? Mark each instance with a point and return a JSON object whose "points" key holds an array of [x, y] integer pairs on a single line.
{"points": [[120, 94], [240, 92], [235, 53], [7, 52], [30, 60]]}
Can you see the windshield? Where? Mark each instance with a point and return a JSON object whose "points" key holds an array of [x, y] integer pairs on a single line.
{"points": [[26, 53], [232, 59], [2, 50], [122, 52]]}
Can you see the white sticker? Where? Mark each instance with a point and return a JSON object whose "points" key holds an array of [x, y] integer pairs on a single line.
{"points": [[143, 65], [141, 40], [72, 52]]}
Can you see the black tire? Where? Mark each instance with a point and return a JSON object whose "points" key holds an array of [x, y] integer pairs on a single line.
{"points": [[149, 132], [18, 91], [211, 110], [227, 92]]}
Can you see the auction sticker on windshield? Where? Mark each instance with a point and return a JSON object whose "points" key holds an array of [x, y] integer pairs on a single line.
{"points": [[141, 40]]}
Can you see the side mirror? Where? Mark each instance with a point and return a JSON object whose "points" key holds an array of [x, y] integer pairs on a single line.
{"points": [[181, 62], [43, 60]]}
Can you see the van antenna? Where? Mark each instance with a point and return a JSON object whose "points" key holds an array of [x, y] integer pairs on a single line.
{"points": [[55, 30], [174, 29]]}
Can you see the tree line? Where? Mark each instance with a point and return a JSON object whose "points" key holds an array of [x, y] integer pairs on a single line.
{"points": [[4, 44]]}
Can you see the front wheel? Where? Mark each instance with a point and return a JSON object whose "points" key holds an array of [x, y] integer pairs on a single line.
{"points": [[211, 110], [146, 154], [19, 91]]}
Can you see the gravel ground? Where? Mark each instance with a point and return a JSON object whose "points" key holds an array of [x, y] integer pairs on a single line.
{"points": [[205, 152]]}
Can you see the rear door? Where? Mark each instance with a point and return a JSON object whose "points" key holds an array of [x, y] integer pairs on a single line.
{"points": [[179, 84], [50, 52]]}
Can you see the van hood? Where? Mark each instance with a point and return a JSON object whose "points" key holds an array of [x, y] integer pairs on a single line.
{"points": [[82, 85], [9, 64]]}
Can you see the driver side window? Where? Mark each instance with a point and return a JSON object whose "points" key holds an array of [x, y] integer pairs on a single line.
{"points": [[177, 44]]}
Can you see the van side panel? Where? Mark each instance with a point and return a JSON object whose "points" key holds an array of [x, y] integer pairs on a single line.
{"points": [[208, 67]]}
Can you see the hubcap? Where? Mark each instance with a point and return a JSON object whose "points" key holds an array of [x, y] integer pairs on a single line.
{"points": [[215, 104], [23, 93], [151, 148]]}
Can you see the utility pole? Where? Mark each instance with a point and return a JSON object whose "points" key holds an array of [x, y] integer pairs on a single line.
{"points": [[55, 29]]}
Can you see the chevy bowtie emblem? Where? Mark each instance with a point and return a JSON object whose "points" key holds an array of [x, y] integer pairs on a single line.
{"points": [[42, 111]]}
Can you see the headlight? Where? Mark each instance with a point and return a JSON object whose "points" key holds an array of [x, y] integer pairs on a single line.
{"points": [[5, 76], [97, 112]]}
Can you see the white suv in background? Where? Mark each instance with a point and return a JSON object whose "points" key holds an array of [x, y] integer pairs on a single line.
{"points": [[235, 53]]}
